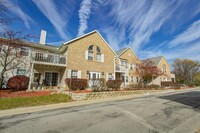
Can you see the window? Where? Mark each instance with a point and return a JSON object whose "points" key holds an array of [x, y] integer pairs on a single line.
{"points": [[131, 66], [37, 77], [98, 57], [132, 79], [24, 51], [126, 78], [91, 48], [137, 79], [21, 72], [90, 52], [90, 55], [164, 69], [98, 50], [51, 78], [94, 75], [110, 77], [74, 74]]}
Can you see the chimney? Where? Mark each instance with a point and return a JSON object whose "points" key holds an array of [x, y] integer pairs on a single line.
{"points": [[43, 37]]}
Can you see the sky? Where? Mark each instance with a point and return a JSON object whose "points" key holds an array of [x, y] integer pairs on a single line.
{"points": [[170, 28]]}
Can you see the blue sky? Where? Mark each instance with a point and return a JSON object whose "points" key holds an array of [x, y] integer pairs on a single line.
{"points": [[150, 27]]}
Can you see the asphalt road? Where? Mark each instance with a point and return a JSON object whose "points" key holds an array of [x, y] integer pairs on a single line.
{"points": [[174, 113]]}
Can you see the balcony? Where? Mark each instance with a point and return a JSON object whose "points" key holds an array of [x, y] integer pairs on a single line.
{"points": [[39, 57], [120, 68]]}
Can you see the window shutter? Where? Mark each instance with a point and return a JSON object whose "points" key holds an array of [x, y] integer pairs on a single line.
{"points": [[86, 55], [69, 73], [79, 74], [102, 57]]}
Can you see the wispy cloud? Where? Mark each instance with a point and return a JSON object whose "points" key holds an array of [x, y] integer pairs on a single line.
{"points": [[188, 36], [84, 14], [176, 48], [49, 9], [15, 9], [139, 20]]}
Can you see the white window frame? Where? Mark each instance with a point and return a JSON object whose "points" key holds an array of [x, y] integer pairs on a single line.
{"points": [[90, 55], [132, 79], [99, 59], [98, 75], [110, 76], [58, 80], [24, 71], [74, 74], [24, 50]]}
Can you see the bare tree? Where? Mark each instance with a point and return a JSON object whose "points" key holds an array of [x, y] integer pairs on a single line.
{"points": [[185, 70], [146, 70], [11, 53]]}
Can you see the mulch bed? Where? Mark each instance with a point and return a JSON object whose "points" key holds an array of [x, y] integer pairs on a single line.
{"points": [[11, 94]]}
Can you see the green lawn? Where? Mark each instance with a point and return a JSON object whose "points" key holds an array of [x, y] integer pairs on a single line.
{"points": [[9, 103]]}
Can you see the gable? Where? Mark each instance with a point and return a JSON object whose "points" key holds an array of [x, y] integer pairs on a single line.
{"points": [[129, 55], [162, 62], [88, 35]]}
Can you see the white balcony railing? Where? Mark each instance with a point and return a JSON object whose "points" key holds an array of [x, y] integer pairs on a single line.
{"points": [[48, 58], [120, 68]]}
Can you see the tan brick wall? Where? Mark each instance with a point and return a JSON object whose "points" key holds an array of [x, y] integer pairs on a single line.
{"points": [[132, 59], [76, 56], [160, 65]]}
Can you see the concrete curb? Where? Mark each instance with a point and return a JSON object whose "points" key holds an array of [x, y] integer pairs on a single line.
{"points": [[18, 111]]}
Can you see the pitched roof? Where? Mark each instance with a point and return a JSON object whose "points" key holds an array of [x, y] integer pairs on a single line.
{"points": [[155, 60], [119, 52], [87, 34]]}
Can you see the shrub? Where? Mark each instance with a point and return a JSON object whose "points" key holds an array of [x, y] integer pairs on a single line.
{"points": [[153, 86], [77, 83], [192, 84], [114, 84], [98, 84], [197, 83], [18, 83], [135, 86], [167, 84]]}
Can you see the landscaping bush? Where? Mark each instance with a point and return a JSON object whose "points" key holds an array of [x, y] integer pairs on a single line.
{"points": [[98, 84], [134, 87], [167, 84], [192, 84], [18, 83], [79, 84], [114, 84], [153, 86]]}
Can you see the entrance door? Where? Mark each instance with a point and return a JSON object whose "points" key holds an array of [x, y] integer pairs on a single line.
{"points": [[51, 78], [122, 77], [93, 78]]}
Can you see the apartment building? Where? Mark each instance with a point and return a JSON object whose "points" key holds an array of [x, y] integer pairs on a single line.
{"points": [[161, 63], [88, 56]]}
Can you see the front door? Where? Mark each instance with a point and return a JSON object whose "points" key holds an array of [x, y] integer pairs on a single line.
{"points": [[122, 78], [51, 78], [93, 78]]}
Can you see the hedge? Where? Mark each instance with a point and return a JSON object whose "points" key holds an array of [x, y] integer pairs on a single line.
{"points": [[76, 84], [114, 84], [18, 83]]}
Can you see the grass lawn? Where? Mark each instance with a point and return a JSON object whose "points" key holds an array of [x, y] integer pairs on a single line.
{"points": [[9, 103]]}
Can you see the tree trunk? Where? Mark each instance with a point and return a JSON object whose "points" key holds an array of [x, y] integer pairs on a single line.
{"points": [[1, 79]]}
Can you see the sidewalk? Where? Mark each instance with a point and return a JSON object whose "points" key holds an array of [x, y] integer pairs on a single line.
{"points": [[24, 110]]}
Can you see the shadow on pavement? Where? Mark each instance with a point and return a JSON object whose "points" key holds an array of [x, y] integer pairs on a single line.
{"points": [[191, 99]]}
